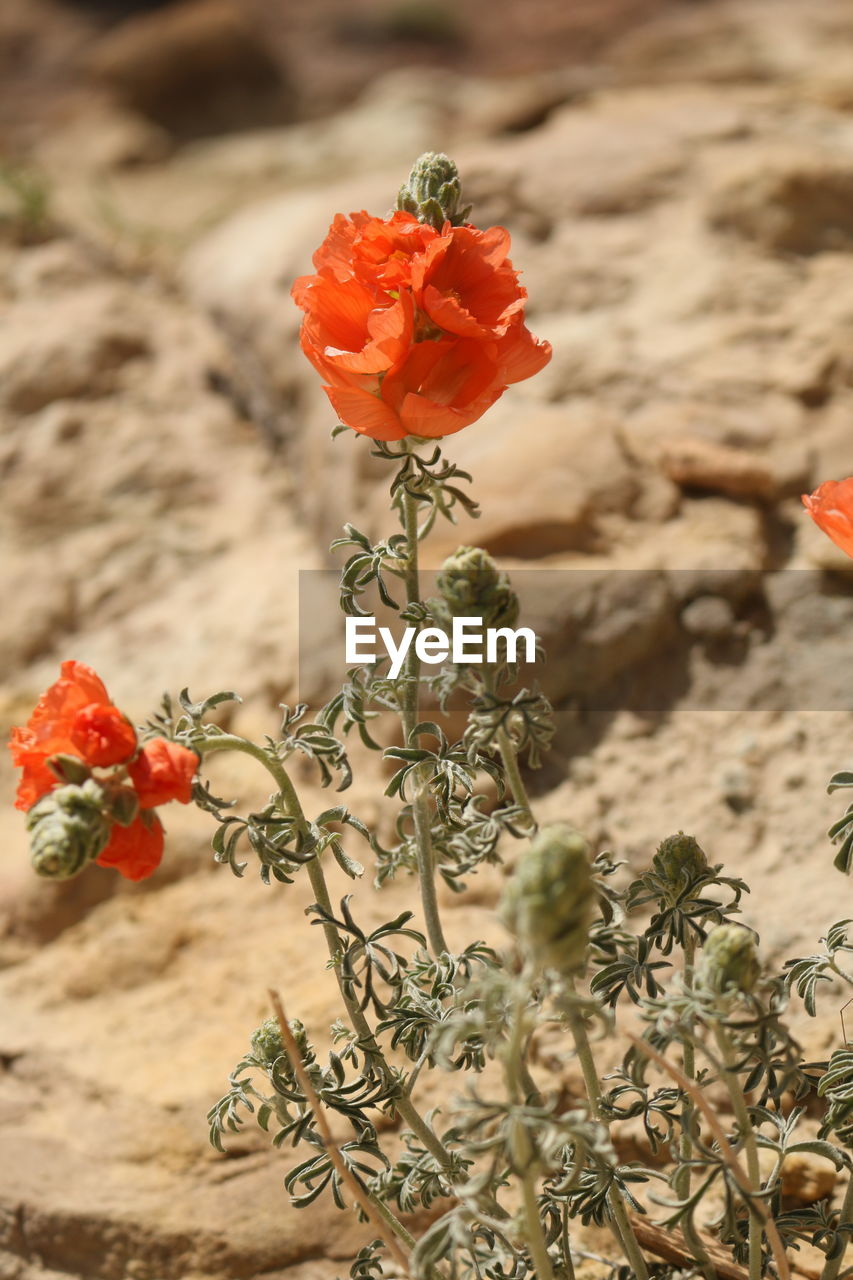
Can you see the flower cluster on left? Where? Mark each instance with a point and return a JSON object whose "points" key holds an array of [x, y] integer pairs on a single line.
{"points": [[89, 789]]}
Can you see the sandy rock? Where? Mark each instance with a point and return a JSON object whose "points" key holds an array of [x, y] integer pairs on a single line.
{"points": [[598, 627], [73, 347], [709, 617], [106, 138], [687, 45], [579, 474], [807, 1177], [698, 464], [193, 68], [798, 202]]}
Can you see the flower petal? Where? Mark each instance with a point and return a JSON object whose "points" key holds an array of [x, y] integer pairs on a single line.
{"points": [[365, 413]]}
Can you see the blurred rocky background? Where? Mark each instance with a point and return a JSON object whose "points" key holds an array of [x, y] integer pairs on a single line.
{"points": [[678, 181]]}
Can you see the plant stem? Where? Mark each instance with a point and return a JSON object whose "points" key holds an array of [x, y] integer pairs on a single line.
{"points": [[411, 716], [290, 804], [845, 1219], [726, 1151], [509, 757], [683, 1178], [620, 1222], [753, 1168], [380, 1216], [513, 1058]]}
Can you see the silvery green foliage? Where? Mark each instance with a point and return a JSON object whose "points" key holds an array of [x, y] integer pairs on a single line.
{"points": [[433, 192], [586, 939], [68, 828]]}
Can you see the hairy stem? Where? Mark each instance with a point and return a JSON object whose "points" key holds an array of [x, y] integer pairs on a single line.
{"points": [[291, 805], [620, 1222], [753, 1168], [509, 757], [845, 1219], [410, 717], [513, 1059], [379, 1215], [740, 1176], [683, 1178]]}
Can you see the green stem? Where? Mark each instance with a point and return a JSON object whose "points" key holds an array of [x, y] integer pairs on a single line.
{"points": [[568, 1259], [290, 803], [620, 1222], [845, 1219], [509, 757], [410, 716], [753, 1167], [392, 1220], [513, 1059], [683, 1176]]}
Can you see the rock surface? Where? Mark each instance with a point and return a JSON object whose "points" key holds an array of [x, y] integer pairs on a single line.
{"points": [[682, 222]]}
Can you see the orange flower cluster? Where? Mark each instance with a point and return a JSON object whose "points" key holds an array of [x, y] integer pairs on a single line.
{"points": [[416, 331], [831, 508], [75, 717]]}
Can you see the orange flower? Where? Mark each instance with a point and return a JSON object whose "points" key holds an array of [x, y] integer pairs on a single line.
{"points": [[465, 283], [353, 329], [73, 717], [378, 251], [163, 771], [102, 735], [135, 851], [831, 508], [415, 331], [440, 387]]}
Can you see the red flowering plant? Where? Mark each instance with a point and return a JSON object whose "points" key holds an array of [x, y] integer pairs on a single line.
{"points": [[416, 323], [89, 789]]}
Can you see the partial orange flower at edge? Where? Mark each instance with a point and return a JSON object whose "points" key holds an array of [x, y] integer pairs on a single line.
{"points": [[831, 508]]}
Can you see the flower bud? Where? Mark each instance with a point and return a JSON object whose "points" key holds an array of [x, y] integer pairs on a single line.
{"points": [[123, 805], [729, 961], [679, 862], [68, 828], [470, 585], [268, 1046], [433, 193], [549, 900], [69, 768]]}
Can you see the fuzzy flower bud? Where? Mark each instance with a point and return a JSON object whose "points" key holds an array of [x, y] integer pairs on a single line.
{"points": [[433, 193], [68, 828], [549, 900], [679, 862], [729, 961], [268, 1046], [470, 585]]}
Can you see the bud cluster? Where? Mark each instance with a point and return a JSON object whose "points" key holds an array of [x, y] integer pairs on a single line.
{"points": [[549, 901]]}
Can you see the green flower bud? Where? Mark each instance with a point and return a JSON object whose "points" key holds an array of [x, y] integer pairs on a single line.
{"points": [[69, 768], [268, 1046], [729, 961], [549, 901], [470, 585], [123, 805], [433, 193], [68, 828], [679, 862]]}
